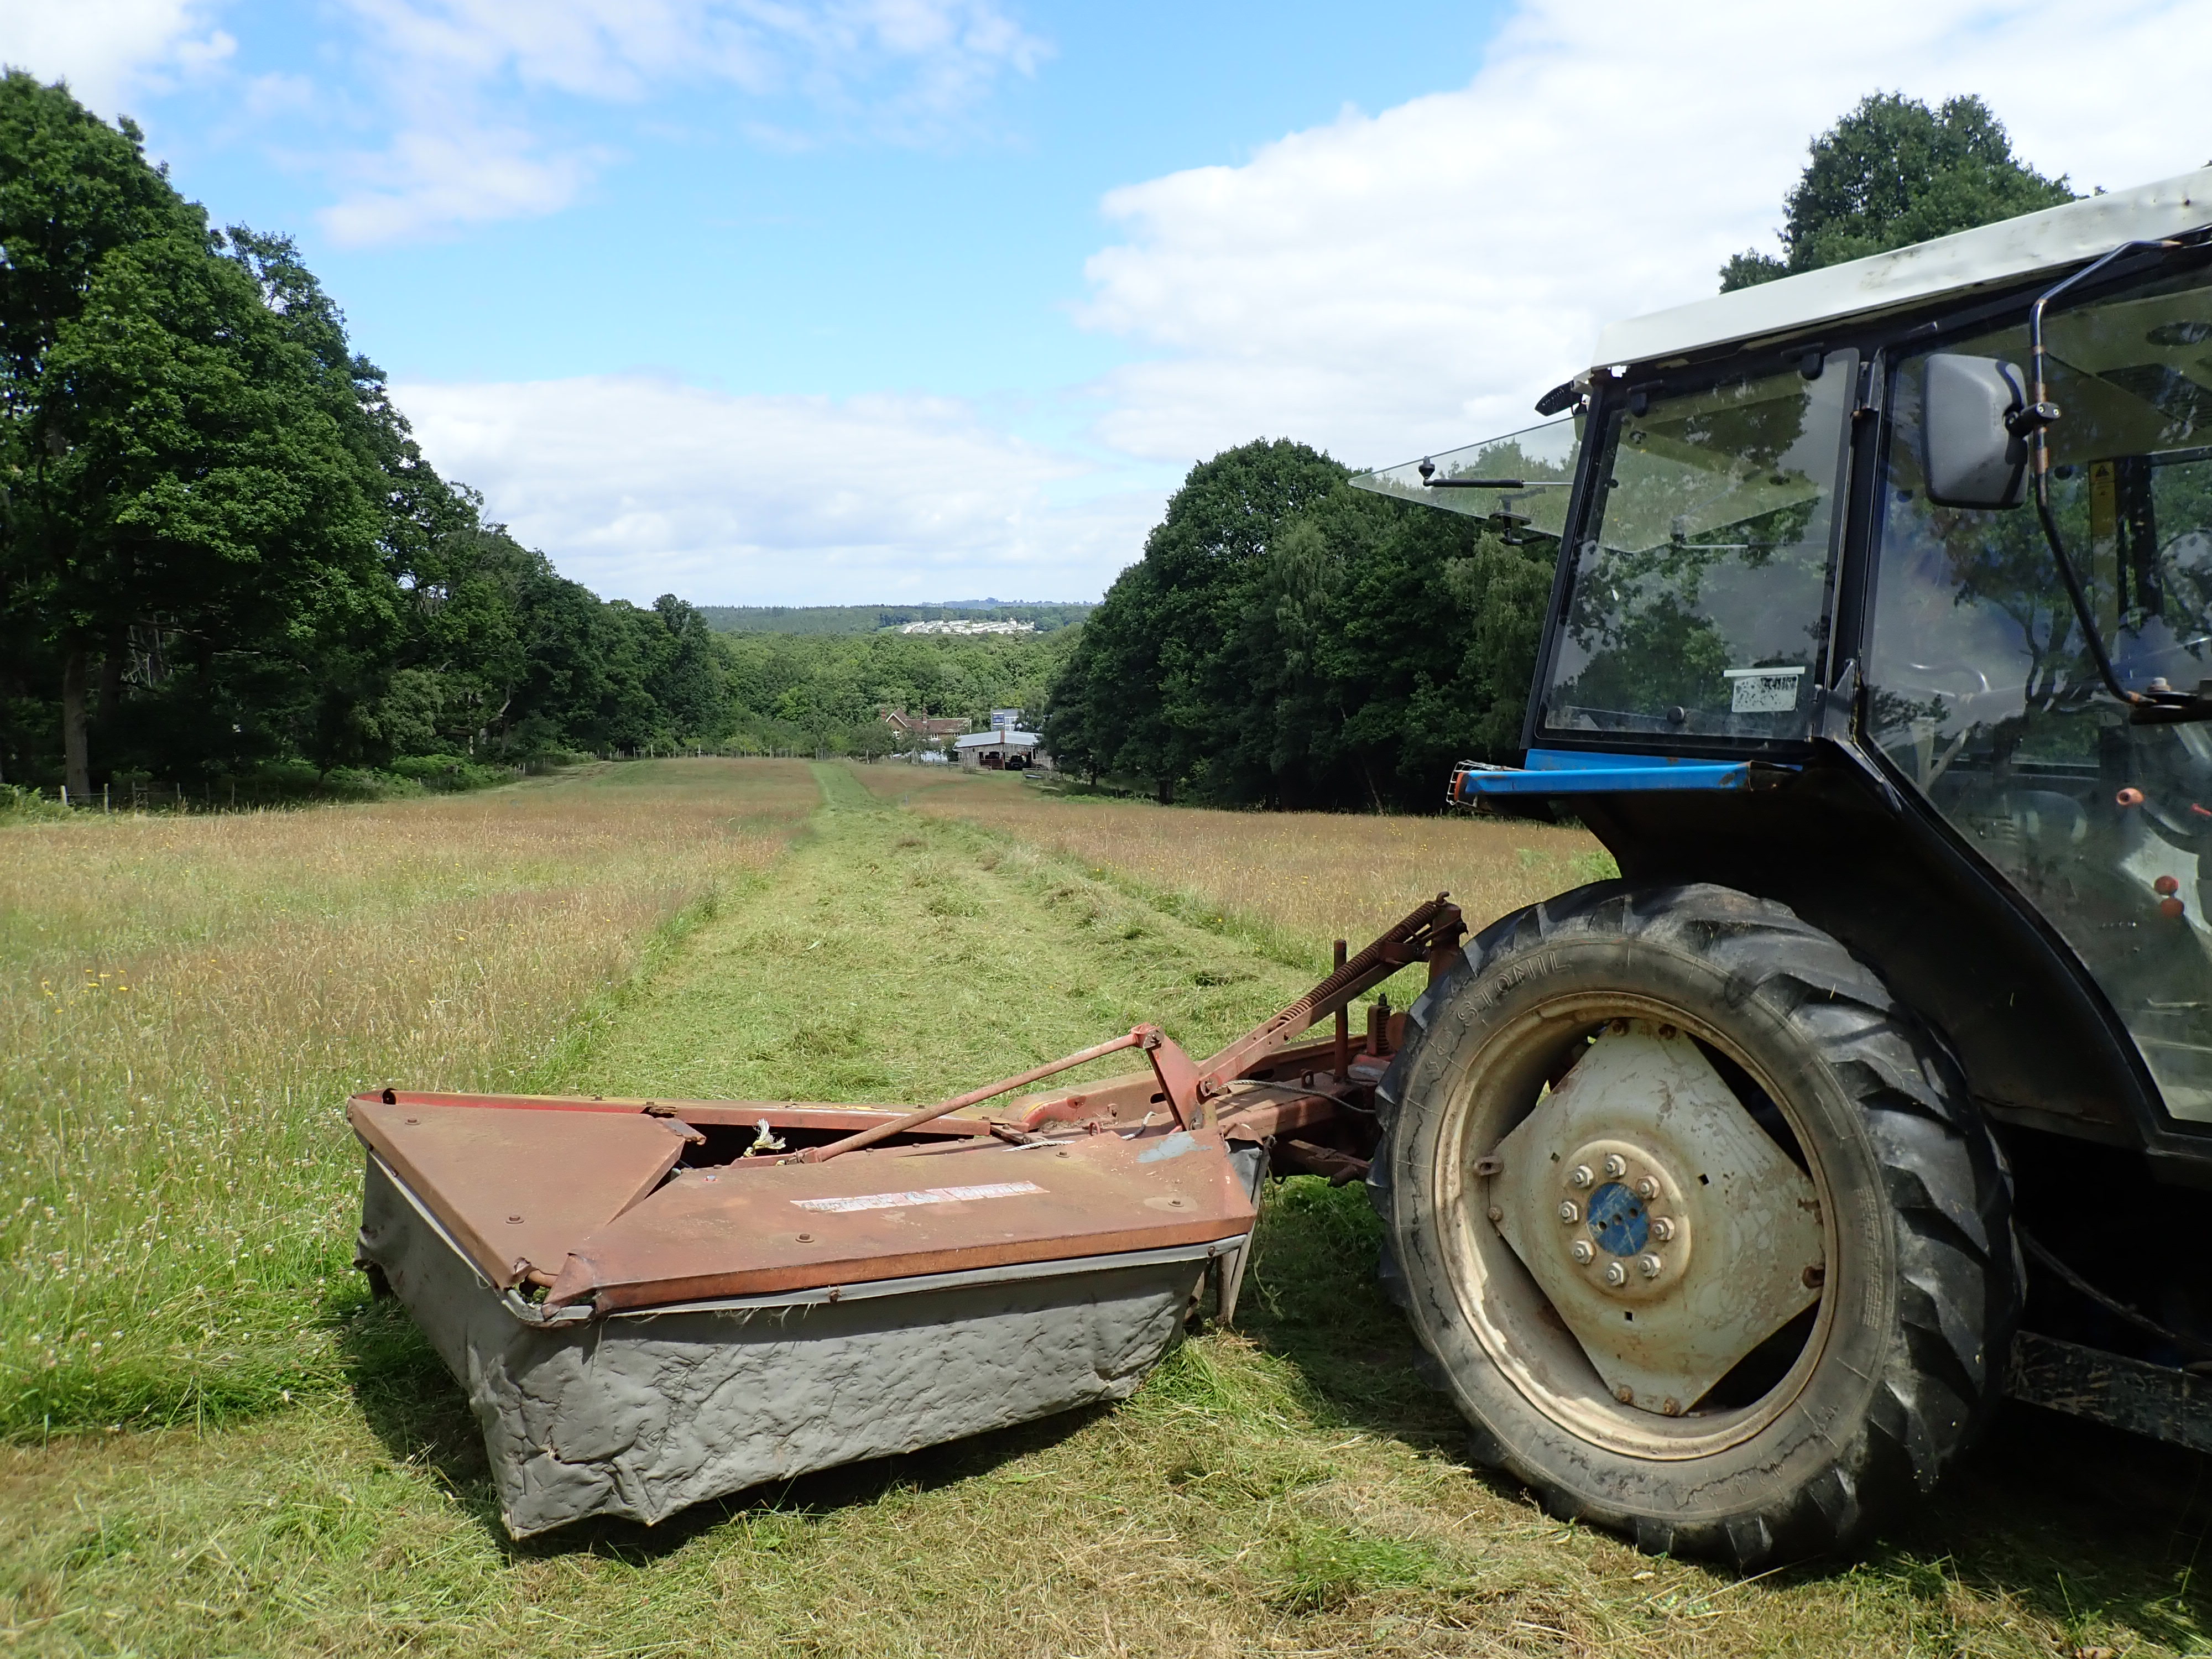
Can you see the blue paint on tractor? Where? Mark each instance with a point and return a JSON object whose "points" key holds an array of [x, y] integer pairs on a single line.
{"points": [[1617, 1219], [1593, 772]]}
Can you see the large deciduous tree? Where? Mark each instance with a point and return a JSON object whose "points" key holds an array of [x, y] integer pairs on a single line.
{"points": [[1287, 640], [1892, 172]]}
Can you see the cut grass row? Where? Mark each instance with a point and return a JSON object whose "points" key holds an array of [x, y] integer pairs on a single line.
{"points": [[1287, 1488], [186, 1002], [1289, 881]]}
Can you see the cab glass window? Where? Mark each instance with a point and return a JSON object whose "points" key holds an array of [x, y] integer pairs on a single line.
{"points": [[1983, 692], [1699, 592]]}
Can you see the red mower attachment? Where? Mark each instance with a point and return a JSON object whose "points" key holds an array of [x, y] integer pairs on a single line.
{"points": [[651, 1303]]}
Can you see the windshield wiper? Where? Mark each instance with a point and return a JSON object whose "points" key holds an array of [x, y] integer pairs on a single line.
{"points": [[2160, 705]]}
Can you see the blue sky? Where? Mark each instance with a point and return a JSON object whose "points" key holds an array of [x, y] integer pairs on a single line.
{"points": [[843, 300], [833, 260]]}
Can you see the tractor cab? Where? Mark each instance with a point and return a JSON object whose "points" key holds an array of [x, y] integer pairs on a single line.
{"points": [[1762, 562]]}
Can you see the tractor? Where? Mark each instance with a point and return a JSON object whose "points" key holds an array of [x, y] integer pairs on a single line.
{"points": [[1731, 1196]]}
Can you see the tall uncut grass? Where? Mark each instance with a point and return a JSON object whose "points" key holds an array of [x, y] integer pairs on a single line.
{"points": [[186, 1001], [1302, 878]]}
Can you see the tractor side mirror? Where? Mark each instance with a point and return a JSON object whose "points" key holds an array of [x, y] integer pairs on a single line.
{"points": [[1972, 456]]}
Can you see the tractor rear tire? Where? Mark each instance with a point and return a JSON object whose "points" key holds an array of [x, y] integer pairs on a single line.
{"points": [[1899, 1362]]}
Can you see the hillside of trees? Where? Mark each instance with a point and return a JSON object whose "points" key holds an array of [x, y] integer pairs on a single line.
{"points": [[222, 555], [1287, 640]]}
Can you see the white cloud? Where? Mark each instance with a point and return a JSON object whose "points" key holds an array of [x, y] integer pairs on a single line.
{"points": [[637, 486], [455, 177], [460, 76], [110, 50], [1408, 280]]}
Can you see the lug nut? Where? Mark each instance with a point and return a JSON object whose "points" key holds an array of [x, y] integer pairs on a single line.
{"points": [[1649, 1266], [1666, 1034], [1646, 1186], [1662, 1228], [1580, 1176], [1582, 1249], [1816, 1276], [1615, 1274], [1625, 1394], [1615, 1166], [1570, 1212], [1497, 1214], [1619, 1028]]}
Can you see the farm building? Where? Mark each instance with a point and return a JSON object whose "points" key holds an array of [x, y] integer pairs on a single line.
{"points": [[1002, 751], [925, 728]]}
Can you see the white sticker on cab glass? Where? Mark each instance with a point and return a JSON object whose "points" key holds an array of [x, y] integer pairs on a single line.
{"points": [[1762, 690]]}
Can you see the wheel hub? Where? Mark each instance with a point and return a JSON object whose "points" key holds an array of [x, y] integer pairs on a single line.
{"points": [[1626, 1221], [1669, 1232]]}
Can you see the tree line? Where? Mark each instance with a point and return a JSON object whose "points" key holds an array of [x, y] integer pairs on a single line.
{"points": [[1289, 641]]}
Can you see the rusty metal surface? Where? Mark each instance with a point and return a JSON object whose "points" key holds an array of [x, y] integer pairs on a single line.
{"points": [[1259, 1111], [1426, 934], [519, 1186], [712, 1233], [577, 1173], [781, 1114], [1340, 1168], [1147, 1037]]}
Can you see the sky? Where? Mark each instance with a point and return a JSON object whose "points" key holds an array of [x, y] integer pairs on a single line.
{"points": [[858, 302]]}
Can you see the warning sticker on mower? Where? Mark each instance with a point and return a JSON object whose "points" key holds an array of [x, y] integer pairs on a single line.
{"points": [[1762, 690], [926, 1195]]}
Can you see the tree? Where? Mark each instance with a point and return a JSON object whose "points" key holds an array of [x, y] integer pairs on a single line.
{"points": [[73, 189], [1158, 666], [1892, 172]]}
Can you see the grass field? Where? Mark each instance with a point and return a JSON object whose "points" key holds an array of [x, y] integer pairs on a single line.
{"points": [[186, 998], [1288, 1488], [1296, 879]]}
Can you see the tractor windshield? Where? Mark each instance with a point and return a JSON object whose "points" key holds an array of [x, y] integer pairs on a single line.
{"points": [[1699, 583], [1985, 692]]}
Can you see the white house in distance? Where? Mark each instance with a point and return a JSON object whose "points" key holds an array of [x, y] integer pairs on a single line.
{"points": [[1005, 750]]}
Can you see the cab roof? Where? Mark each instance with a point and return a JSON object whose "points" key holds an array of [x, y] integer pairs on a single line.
{"points": [[1988, 257]]}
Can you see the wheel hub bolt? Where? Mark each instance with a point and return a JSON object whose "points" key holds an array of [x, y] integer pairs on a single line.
{"points": [[1580, 1176], [1615, 1166], [1662, 1228], [1582, 1249], [1615, 1274], [1570, 1212], [1646, 1188], [1649, 1266]]}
